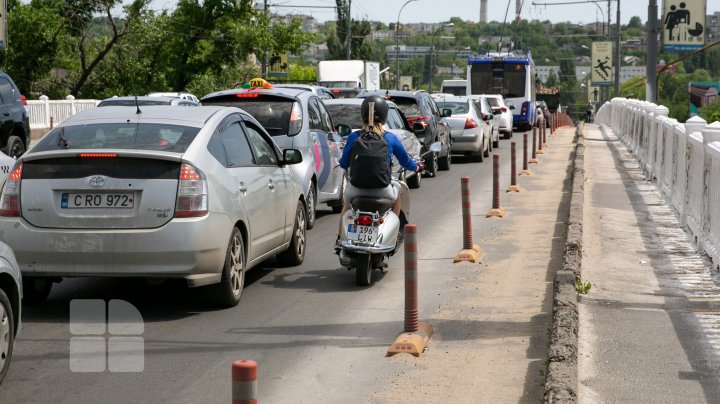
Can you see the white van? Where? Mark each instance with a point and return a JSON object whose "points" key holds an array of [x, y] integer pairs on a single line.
{"points": [[455, 87]]}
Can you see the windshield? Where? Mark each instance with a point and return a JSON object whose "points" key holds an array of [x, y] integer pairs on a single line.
{"points": [[457, 108], [272, 112], [139, 136], [345, 114]]}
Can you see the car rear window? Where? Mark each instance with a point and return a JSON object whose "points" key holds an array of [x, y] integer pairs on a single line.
{"points": [[409, 106], [136, 136], [494, 102], [272, 112], [456, 107], [345, 114]]}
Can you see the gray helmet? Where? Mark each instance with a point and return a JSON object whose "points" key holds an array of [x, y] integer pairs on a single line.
{"points": [[380, 109]]}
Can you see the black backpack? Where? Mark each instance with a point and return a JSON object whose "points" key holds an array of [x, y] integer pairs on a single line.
{"points": [[369, 166]]}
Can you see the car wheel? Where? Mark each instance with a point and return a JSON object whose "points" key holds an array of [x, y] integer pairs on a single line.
{"points": [[431, 165], [311, 205], [445, 162], [496, 142], [36, 290], [414, 181], [7, 334], [490, 144], [478, 156], [486, 149], [295, 254], [15, 147], [363, 269], [338, 207], [231, 285]]}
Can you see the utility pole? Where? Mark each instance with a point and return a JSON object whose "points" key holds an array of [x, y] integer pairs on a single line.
{"points": [[618, 62], [349, 31], [651, 68], [265, 53]]}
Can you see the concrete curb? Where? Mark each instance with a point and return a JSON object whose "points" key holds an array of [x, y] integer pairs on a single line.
{"points": [[562, 365]]}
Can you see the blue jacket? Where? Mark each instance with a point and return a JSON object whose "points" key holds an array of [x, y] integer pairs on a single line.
{"points": [[394, 148]]}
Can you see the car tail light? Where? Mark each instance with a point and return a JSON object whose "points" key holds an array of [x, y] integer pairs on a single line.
{"points": [[247, 95], [10, 197], [503, 109], [192, 195], [335, 91], [422, 119], [23, 100], [364, 220], [98, 155], [470, 123]]}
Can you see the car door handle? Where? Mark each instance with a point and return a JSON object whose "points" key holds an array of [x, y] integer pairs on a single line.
{"points": [[242, 187], [271, 185]]}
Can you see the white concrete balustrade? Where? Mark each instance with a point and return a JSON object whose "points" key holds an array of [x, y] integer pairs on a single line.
{"points": [[682, 159], [46, 113]]}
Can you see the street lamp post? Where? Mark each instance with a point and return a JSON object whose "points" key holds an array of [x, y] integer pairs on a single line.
{"points": [[397, 45]]}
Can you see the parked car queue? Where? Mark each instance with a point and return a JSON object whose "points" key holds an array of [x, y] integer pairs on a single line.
{"points": [[202, 193]]}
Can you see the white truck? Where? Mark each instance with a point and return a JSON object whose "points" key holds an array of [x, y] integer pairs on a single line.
{"points": [[349, 74]]}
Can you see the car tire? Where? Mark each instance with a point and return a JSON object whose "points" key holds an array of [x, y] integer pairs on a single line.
{"points": [[486, 149], [227, 293], [14, 147], [445, 162], [496, 143], [295, 254], [337, 208], [311, 206], [478, 156], [431, 165], [415, 181], [7, 334], [36, 289]]}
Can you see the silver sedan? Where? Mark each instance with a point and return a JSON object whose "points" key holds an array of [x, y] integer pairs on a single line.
{"points": [[200, 193]]}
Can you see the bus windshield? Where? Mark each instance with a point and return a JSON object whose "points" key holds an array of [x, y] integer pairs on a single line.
{"points": [[505, 79]]}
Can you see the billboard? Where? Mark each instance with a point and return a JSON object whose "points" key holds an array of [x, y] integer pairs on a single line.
{"points": [[602, 63], [3, 25], [683, 25]]}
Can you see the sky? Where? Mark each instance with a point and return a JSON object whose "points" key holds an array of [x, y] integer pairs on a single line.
{"points": [[442, 10]]}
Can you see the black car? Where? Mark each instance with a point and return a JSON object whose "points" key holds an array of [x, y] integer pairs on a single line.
{"points": [[14, 120], [420, 108]]}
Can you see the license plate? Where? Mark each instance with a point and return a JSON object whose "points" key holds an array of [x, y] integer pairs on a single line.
{"points": [[97, 200], [362, 234]]}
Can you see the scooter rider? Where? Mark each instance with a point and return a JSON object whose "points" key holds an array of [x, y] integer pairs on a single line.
{"points": [[374, 112]]}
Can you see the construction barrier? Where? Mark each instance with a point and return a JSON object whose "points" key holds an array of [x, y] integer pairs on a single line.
{"points": [[244, 382]]}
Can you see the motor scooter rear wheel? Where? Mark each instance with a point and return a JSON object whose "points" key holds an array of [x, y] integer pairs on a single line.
{"points": [[363, 269]]}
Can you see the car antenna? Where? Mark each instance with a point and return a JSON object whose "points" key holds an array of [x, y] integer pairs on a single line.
{"points": [[137, 106]]}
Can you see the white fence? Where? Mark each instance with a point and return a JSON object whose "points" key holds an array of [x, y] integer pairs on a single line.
{"points": [[45, 113], [683, 159]]}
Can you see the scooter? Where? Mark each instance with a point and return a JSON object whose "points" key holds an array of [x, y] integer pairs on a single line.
{"points": [[372, 232]]}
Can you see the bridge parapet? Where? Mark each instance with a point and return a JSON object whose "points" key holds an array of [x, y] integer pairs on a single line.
{"points": [[682, 159]]}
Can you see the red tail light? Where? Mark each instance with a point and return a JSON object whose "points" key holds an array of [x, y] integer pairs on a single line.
{"points": [[192, 195], [335, 91], [422, 119], [10, 197], [98, 155], [364, 220], [23, 100], [247, 95], [470, 123]]}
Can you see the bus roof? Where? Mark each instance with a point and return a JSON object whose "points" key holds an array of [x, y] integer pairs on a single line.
{"points": [[512, 57]]}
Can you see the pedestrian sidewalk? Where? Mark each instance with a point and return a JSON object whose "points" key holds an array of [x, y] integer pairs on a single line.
{"points": [[649, 327]]}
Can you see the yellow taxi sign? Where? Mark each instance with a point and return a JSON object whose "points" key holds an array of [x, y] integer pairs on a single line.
{"points": [[259, 83]]}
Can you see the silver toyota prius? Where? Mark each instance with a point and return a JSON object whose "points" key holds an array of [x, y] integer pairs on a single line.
{"points": [[200, 193]]}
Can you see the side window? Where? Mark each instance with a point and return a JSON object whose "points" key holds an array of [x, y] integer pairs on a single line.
{"points": [[478, 109], [394, 121], [314, 115], [264, 151], [216, 149], [6, 91], [235, 145], [433, 106], [325, 119]]}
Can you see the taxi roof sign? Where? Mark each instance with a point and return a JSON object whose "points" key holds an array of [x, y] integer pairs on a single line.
{"points": [[257, 83]]}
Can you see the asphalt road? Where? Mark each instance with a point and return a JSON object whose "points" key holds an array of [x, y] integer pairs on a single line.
{"points": [[315, 335]]}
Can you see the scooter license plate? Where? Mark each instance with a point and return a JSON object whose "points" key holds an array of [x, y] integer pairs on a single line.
{"points": [[362, 234]]}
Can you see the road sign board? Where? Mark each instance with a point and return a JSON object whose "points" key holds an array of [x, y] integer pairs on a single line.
{"points": [[602, 63], [683, 25]]}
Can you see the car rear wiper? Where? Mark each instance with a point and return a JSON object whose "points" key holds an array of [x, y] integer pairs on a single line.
{"points": [[61, 139]]}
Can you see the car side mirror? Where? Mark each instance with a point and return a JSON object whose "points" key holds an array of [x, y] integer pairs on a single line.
{"points": [[446, 113], [292, 156], [511, 107], [344, 130], [418, 127]]}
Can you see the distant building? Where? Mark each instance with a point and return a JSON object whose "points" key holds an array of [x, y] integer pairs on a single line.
{"points": [[712, 24]]}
